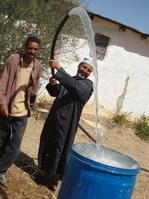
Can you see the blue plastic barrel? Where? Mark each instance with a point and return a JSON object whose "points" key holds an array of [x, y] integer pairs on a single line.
{"points": [[87, 179]]}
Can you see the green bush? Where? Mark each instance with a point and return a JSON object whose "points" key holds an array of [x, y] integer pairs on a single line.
{"points": [[142, 128], [120, 119]]}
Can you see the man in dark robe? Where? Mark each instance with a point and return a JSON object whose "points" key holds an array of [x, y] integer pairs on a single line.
{"points": [[60, 127]]}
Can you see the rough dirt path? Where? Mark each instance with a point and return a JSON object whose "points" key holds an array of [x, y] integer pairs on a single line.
{"points": [[22, 186]]}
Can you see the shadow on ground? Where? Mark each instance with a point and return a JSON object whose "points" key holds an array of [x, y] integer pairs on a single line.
{"points": [[27, 164]]}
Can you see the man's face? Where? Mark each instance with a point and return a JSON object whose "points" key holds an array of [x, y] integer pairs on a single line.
{"points": [[84, 70], [31, 49]]}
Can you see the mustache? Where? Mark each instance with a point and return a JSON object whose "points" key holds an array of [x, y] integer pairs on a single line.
{"points": [[32, 54]]}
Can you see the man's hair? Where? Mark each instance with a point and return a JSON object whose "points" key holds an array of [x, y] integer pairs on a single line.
{"points": [[32, 39]]}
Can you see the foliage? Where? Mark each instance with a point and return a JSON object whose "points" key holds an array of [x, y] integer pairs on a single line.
{"points": [[19, 19], [142, 128], [120, 119]]}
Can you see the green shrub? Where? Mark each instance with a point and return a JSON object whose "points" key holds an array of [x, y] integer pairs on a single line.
{"points": [[142, 128], [120, 119]]}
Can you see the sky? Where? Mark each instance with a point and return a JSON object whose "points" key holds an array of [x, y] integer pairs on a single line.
{"points": [[133, 13]]}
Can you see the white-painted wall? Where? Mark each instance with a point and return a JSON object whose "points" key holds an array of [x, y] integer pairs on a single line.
{"points": [[126, 60], [127, 56]]}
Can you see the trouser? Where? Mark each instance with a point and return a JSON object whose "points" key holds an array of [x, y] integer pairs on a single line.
{"points": [[11, 133]]}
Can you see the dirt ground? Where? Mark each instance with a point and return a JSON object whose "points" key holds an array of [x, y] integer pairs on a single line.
{"points": [[21, 175]]}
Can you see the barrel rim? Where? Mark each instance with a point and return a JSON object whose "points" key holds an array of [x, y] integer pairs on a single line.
{"points": [[104, 167]]}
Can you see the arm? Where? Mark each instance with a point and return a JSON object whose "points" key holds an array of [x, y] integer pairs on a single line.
{"points": [[3, 85], [81, 89]]}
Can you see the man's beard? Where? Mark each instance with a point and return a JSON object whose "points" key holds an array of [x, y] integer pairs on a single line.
{"points": [[82, 76]]}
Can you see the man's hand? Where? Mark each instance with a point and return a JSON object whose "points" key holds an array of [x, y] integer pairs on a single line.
{"points": [[4, 110], [53, 81], [54, 64]]}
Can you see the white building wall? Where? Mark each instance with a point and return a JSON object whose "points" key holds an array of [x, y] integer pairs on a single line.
{"points": [[127, 56]]}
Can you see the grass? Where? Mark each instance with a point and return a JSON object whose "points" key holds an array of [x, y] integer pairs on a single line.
{"points": [[142, 128], [120, 119], [141, 125]]}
